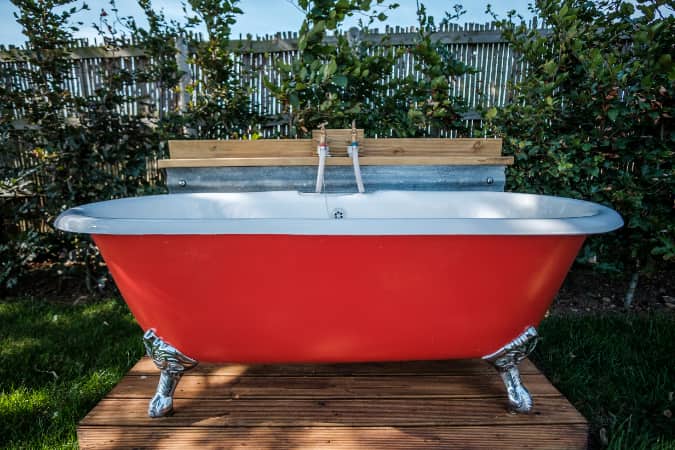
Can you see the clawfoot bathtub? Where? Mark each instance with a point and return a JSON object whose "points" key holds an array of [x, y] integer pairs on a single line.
{"points": [[289, 277]]}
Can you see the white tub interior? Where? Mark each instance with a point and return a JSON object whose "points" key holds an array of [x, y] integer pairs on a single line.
{"points": [[383, 212]]}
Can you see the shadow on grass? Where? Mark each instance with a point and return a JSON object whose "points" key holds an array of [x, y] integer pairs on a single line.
{"points": [[56, 362], [619, 371]]}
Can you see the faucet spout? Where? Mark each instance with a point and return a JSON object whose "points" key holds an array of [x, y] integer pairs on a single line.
{"points": [[323, 152], [353, 151]]}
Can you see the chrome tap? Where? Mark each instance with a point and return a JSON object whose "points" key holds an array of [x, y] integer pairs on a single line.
{"points": [[323, 151], [353, 151]]}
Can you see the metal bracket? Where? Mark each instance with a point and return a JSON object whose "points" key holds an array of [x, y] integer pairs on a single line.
{"points": [[337, 178]]}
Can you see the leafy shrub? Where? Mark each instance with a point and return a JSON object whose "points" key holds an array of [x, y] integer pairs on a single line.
{"points": [[99, 153], [221, 107], [425, 100], [592, 118], [329, 83], [217, 103], [346, 81]]}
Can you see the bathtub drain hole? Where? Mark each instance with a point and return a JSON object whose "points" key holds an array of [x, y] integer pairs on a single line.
{"points": [[338, 213]]}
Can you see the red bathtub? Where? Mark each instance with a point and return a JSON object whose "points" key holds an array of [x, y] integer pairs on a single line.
{"points": [[289, 277]]}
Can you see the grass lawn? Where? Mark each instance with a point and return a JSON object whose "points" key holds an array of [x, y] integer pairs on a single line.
{"points": [[618, 369], [57, 361]]}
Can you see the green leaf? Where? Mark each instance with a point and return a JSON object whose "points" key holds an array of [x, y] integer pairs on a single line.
{"points": [[302, 42], [329, 69], [340, 80], [491, 113], [665, 60], [550, 67], [354, 109], [612, 114], [294, 100]]}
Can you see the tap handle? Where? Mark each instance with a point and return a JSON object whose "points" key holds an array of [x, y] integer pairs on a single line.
{"points": [[323, 138]]}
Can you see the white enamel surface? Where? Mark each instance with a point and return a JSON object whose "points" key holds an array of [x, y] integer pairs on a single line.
{"points": [[377, 213]]}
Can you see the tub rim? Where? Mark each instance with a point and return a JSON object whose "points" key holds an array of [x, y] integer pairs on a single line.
{"points": [[602, 220]]}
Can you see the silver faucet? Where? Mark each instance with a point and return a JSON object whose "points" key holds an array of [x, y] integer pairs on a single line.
{"points": [[353, 151], [323, 152]]}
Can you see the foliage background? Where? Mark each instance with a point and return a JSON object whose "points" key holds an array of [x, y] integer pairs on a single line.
{"points": [[592, 117]]}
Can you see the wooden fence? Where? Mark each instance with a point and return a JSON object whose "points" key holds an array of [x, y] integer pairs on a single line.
{"points": [[480, 46]]}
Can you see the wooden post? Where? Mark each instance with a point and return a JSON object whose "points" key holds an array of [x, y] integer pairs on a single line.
{"points": [[185, 80], [184, 68]]}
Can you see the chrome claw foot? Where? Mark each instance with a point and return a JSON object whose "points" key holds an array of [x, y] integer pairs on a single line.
{"points": [[520, 399], [172, 364], [506, 361]]}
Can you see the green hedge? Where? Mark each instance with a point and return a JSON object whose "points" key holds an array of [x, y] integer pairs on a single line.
{"points": [[593, 119]]}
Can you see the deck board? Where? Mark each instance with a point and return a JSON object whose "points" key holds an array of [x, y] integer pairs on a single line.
{"points": [[232, 386], [407, 368], [544, 437], [418, 405]]}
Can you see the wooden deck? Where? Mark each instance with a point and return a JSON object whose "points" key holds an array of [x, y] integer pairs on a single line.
{"points": [[411, 405]]}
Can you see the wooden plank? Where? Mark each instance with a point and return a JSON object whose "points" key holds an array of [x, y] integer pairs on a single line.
{"points": [[336, 412], [248, 387], [278, 44], [431, 146], [543, 437], [340, 161], [106, 52], [77, 53], [198, 149], [473, 367], [338, 141]]}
